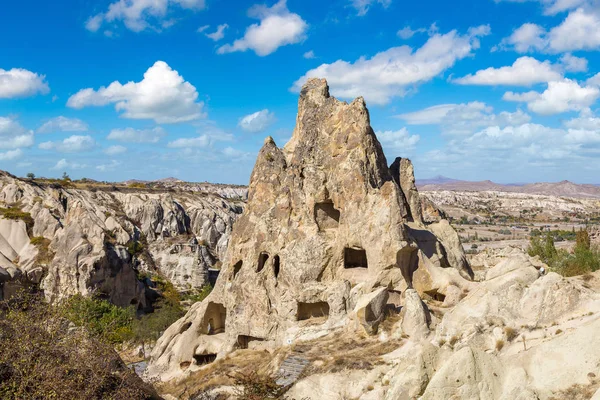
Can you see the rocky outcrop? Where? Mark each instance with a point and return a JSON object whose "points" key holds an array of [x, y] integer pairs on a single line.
{"points": [[404, 174], [71, 238], [324, 214]]}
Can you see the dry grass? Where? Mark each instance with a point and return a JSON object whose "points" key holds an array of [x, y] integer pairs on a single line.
{"points": [[511, 333], [578, 392], [499, 344]]}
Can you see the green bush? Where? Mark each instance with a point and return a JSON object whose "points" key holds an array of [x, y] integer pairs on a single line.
{"points": [[582, 260], [101, 318], [16, 213], [199, 295]]}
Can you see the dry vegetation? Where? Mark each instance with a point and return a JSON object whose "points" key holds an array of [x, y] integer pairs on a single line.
{"points": [[44, 357]]}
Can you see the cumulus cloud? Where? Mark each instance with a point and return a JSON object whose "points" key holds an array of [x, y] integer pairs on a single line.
{"points": [[579, 31], [278, 27], [572, 63], [200, 141], [13, 135], [389, 73], [465, 118], [552, 7], [63, 124], [163, 95], [257, 122], [11, 155], [525, 71], [63, 164], [114, 150], [111, 166], [309, 55], [131, 135], [362, 6], [398, 143], [139, 15], [559, 97], [72, 144], [218, 34], [18, 82], [594, 80]]}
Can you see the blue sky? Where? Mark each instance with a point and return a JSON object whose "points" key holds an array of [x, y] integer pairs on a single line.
{"points": [[118, 89]]}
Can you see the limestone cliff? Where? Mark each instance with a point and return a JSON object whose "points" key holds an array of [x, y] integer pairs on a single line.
{"points": [[71, 238]]}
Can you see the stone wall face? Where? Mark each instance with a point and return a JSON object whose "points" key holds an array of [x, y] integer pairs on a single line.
{"points": [[324, 215]]}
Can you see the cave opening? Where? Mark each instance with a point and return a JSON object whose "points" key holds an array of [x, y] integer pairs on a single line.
{"points": [[355, 258]]}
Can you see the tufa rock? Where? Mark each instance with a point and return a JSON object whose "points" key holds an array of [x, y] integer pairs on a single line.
{"points": [[324, 214]]}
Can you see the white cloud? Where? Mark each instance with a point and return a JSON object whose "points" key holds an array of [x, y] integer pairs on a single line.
{"points": [[465, 118], [63, 164], [559, 97], [278, 27], [235, 154], [72, 144], [18, 82], [594, 80], [362, 6], [200, 141], [309, 55], [108, 167], [11, 155], [114, 150], [257, 122], [130, 135], [552, 7], [218, 34], [163, 95], [579, 31], [572, 63], [406, 32], [389, 73], [63, 124], [202, 28], [13, 135], [139, 15], [398, 143], [525, 71]]}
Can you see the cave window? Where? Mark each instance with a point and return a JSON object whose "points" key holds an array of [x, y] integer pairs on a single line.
{"points": [[312, 310], [236, 269], [262, 259], [276, 264], [355, 258], [214, 318], [203, 359], [435, 295], [326, 215], [185, 327], [243, 341]]}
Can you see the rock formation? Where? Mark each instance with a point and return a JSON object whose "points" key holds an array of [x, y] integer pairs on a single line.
{"points": [[69, 238], [327, 231]]}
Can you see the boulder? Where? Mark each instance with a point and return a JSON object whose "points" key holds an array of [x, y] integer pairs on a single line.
{"points": [[370, 309], [415, 316]]}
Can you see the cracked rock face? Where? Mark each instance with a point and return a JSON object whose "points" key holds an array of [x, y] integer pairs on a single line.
{"points": [[324, 213], [83, 237]]}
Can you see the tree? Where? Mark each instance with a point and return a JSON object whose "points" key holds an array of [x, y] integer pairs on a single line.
{"points": [[583, 240], [30, 175], [66, 177]]}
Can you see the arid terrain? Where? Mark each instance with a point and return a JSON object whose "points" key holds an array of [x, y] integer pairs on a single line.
{"points": [[331, 276]]}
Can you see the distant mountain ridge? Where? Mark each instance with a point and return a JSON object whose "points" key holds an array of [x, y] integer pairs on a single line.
{"points": [[561, 189]]}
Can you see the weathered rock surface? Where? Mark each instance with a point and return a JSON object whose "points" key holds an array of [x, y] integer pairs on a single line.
{"points": [[325, 216], [96, 240]]}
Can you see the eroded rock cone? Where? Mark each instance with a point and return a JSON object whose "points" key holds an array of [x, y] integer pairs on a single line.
{"points": [[324, 213]]}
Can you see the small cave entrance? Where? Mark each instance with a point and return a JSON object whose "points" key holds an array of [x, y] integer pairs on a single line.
{"points": [[185, 327], [203, 359], [262, 259], [355, 258], [276, 266], [244, 341], [236, 269], [435, 295], [326, 215], [213, 322], [312, 310]]}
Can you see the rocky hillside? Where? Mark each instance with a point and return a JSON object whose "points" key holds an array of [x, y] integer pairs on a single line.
{"points": [[486, 203], [72, 237], [335, 286], [558, 189]]}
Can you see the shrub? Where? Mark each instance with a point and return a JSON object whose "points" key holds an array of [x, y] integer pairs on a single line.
{"points": [[45, 255], [15, 213], [200, 295], [43, 358], [101, 318]]}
